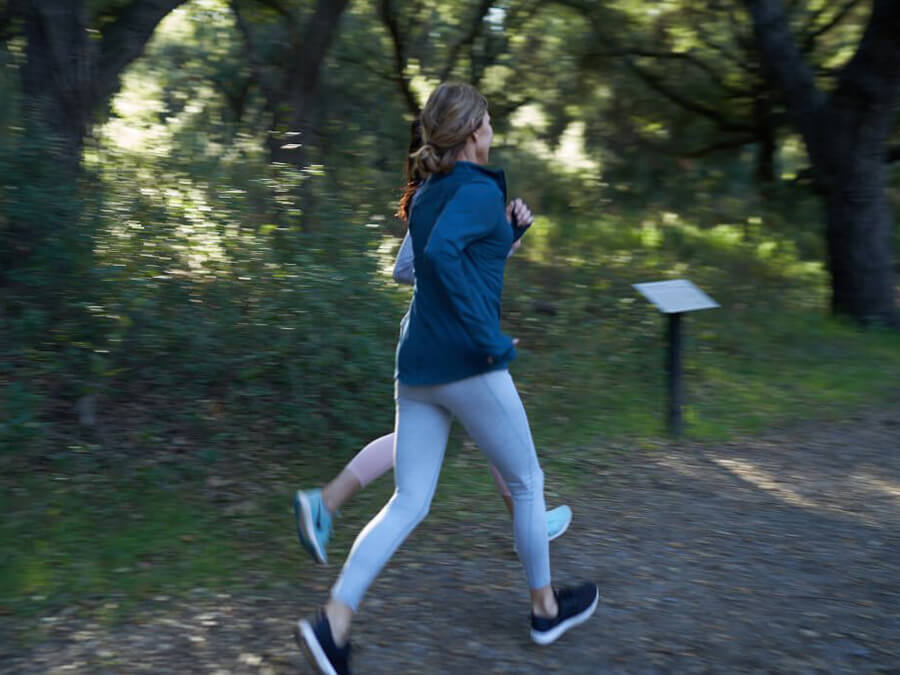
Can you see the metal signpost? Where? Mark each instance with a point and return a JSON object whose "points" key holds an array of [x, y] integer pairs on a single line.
{"points": [[674, 298]]}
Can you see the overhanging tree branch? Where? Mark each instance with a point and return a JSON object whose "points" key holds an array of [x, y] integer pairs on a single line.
{"points": [[668, 149], [711, 114], [786, 66], [689, 58], [709, 41], [124, 40]]}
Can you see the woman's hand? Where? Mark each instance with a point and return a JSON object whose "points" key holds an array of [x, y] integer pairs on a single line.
{"points": [[518, 213], [490, 359]]}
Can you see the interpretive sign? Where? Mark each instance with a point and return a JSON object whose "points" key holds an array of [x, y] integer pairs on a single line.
{"points": [[674, 298]]}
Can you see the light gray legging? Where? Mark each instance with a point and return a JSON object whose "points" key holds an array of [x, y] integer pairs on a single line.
{"points": [[489, 408]]}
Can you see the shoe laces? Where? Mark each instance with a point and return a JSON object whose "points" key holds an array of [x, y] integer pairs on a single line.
{"points": [[322, 522]]}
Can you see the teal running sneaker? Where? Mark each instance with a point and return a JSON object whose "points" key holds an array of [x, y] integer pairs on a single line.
{"points": [[558, 521], [313, 523]]}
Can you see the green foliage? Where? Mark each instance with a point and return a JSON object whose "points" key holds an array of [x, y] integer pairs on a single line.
{"points": [[157, 539], [592, 350], [19, 424], [231, 317], [235, 391], [45, 237]]}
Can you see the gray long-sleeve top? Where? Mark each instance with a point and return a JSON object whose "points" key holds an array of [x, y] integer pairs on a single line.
{"points": [[404, 272]]}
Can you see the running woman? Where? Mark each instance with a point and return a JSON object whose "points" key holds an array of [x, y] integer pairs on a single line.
{"points": [[314, 509], [452, 363]]}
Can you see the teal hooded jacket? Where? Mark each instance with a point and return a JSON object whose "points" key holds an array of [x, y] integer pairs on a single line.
{"points": [[461, 239]]}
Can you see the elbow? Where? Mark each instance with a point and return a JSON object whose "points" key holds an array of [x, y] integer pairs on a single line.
{"points": [[442, 259], [403, 276], [440, 253], [433, 255], [434, 258]]}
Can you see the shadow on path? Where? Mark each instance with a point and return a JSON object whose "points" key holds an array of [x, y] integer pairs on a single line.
{"points": [[777, 554]]}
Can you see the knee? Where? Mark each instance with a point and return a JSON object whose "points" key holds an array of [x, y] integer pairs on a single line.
{"points": [[526, 483], [411, 508]]}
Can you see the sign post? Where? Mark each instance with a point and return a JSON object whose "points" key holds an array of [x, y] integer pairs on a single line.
{"points": [[674, 298]]}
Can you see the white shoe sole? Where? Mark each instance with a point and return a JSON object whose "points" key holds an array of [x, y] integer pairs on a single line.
{"points": [[308, 527], [545, 638], [562, 531], [306, 639]]}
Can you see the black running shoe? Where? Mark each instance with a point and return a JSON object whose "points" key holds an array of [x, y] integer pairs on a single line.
{"points": [[314, 638], [576, 604]]}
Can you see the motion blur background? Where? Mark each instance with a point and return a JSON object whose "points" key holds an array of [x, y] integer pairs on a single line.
{"points": [[196, 229]]}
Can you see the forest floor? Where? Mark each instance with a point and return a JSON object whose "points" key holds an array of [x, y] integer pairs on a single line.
{"points": [[772, 554]]}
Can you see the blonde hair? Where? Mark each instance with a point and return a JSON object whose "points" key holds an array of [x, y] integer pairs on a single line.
{"points": [[453, 112]]}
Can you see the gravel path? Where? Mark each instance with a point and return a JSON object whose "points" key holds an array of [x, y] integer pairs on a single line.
{"points": [[779, 554]]}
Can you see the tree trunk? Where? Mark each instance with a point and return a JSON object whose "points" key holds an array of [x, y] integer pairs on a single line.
{"points": [[296, 96], [857, 125], [859, 220], [767, 142], [846, 137], [58, 74], [68, 72], [859, 250], [72, 67]]}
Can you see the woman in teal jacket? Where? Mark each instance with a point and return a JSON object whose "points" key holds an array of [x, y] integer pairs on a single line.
{"points": [[452, 361], [314, 509]]}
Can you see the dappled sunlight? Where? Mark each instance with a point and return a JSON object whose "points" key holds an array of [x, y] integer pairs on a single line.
{"points": [[764, 481], [678, 464], [861, 497], [194, 243], [385, 254], [733, 258], [811, 488], [198, 318], [567, 156], [880, 487], [200, 243], [571, 151], [168, 158]]}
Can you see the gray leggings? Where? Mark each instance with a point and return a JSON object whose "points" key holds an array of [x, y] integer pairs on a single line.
{"points": [[489, 408]]}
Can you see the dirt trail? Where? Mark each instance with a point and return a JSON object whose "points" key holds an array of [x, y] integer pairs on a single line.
{"points": [[779, 554]]}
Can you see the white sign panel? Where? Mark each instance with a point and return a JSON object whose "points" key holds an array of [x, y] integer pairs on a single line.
{"points": [[673, 297]]}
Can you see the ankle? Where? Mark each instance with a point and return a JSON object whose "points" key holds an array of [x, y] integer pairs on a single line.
{"points": [[329, 501], [339, 617], [545, 606], [339, 491]]}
